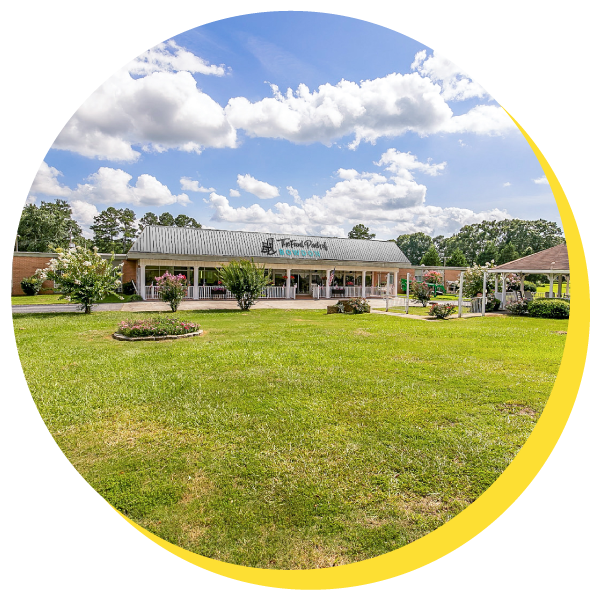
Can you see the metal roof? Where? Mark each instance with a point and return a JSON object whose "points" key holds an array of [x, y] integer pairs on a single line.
{"points": [[199, 244]]}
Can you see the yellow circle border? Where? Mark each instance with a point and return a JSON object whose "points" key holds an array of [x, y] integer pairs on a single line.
{"points": [[497, 498]]}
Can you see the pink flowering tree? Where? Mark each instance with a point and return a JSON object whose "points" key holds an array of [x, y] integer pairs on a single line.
{"points": [[172, 289], [433, 277]]}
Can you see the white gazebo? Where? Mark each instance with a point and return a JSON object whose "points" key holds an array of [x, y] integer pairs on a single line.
{"points": [[553, 262]]}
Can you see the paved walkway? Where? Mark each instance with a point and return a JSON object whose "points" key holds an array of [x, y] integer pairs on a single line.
{"points": [[156, 306]]}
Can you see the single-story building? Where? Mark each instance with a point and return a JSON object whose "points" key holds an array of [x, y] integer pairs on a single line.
{"points": [[299, 265]]}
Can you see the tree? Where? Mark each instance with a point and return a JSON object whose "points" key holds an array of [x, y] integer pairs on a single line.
{"points": [[83, 276], [244, 280], [431, 258], [507, 254], [360, 232], [107, 228], [421, 291], [457, 259], [166, 219], [489, 254], [414, 245], [148, 219], [185, 221], [44, 227], [114, 230]]}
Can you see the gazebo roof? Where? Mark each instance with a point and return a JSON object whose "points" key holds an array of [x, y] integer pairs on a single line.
{"points": [[554, 259]]}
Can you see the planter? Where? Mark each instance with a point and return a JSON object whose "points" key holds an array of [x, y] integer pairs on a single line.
{"points": [[155, 338]]}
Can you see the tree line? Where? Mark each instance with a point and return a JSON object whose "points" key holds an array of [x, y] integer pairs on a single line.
{"points": [[51, 225], [498, 241]]}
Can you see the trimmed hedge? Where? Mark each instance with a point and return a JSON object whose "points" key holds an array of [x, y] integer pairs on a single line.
{"points": [[549, 308]]}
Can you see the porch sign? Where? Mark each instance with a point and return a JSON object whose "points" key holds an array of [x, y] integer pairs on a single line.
{"points": [[291, 248]]}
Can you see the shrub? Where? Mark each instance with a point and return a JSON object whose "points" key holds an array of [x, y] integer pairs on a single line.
{"points": [[33, 284], [517, 307], [529, 286], [129, 288], [492, 303], [244, 280], [172, 289], [421, 291], [358, 305], [549, 308], [156, 326], [442, 311], [135, 298], [473, 280]]}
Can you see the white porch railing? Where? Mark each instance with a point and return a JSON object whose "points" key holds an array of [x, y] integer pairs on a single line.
{"points": [[391, 301], [274, 291], [152, 292]]}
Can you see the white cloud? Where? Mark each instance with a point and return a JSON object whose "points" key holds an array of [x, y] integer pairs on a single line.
{"points": [[387, 204], [260, 189], [293, 192], [541, 181], [46, 183], [154, 105], [403, 163], [455, 84], [170, 57], [234, 193], [111, 186], [507, 184], [83, 212], [156, 113], [190, 185], [333, 231]]}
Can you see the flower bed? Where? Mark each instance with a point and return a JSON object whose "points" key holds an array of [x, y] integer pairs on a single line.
{"points": [[156, 328]]}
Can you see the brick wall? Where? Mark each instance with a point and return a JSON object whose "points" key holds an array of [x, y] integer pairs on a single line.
{"points": [[26, 266]]}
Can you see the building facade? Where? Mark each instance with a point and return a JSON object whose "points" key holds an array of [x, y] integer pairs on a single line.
{"points": [[299, 265]]}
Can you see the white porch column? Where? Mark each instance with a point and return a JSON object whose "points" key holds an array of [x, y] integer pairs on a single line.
{"points": [[484, 298], [364, 285], [142, 282], [460, 295], [196, 289], [503, 290], [495, 284], [551, 277], [522, 285], [560, 278], [388, 287], [288, 282], [568, 278], [327, 285]]}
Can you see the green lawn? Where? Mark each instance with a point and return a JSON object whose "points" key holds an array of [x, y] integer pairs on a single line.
{"points": [[412, 310], [287, 438]]}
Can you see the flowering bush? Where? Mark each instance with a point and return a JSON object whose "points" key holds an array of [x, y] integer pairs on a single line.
{"points": [[442, 311], [245, 280], [172, 289], [421, 291], [33, 284], [156, 326], [358, 305], [83, 276], [433, 277], [517, 307], [473, 280]]}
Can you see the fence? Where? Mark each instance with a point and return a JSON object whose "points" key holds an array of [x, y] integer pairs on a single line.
{"points": [[219, 292]]}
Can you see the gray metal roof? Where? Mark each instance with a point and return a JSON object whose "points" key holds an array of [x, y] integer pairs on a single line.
{"points": [[199, 244]]}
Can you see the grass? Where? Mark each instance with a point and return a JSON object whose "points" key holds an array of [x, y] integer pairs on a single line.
{"points": [[289, 438], [54, 299], [412, 310]]}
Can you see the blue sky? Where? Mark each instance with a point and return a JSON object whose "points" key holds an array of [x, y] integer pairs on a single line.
{"points": [[364, 125]]}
